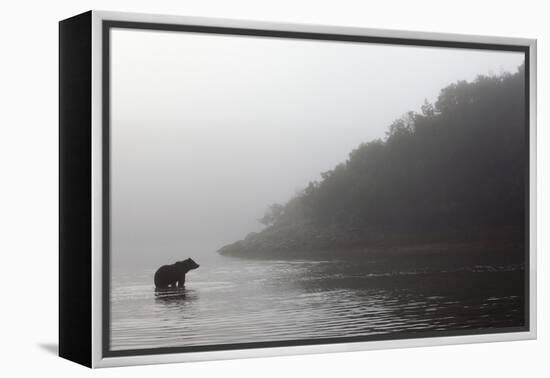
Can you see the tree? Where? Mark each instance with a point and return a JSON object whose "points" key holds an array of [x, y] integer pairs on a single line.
{"points": [[272, 214]]}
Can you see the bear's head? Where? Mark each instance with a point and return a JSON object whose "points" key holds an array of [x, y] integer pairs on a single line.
{"points": [[187, 264]]}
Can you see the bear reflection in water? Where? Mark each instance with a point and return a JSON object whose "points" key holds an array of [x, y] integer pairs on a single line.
{"points": [[174, 295]]}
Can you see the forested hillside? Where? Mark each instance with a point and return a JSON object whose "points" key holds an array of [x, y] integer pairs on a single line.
{"points": [[453, 172]]}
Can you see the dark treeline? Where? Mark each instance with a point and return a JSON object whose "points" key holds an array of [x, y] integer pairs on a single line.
{"points": [[453, 171]]}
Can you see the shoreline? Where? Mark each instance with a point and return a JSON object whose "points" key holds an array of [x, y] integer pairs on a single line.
{"points": [[479, 250]]}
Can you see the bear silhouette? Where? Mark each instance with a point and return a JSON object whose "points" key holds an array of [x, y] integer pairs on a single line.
{"points": [[170, 275]]}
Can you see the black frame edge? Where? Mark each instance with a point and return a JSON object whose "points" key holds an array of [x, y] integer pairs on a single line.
{"points": [[75, 179]]}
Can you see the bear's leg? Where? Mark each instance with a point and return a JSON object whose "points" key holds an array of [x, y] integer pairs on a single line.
{"points": [[181, 282]]}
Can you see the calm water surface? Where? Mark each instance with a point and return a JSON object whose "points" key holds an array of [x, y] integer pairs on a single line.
{"points": [[231, 300]]}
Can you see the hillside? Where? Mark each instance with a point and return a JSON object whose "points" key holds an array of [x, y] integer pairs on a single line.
{"points": [[452, 173]]}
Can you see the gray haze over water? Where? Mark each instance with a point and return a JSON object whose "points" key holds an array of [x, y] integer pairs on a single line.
{"points": [[208, 130]]}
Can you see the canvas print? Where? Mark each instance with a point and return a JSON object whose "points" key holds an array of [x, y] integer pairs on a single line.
{"points": [[273, 191]]}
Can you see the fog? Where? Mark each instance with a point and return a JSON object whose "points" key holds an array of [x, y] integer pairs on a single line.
{"points": [[208, 130]]}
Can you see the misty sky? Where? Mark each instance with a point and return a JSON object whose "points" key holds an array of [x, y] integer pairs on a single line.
{"points": [[207, 130]]}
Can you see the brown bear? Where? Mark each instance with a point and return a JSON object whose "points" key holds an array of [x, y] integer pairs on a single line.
{"points": [[170, 275]]}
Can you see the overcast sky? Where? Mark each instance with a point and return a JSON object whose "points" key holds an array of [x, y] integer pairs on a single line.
{"points": [[208, 130]]}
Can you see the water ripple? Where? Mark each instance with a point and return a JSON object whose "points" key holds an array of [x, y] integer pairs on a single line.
{"points": [[235, 301]]}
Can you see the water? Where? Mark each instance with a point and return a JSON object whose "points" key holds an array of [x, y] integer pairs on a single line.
{"points": [[230, 300]]}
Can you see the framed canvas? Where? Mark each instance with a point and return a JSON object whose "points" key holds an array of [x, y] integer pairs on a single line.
{"points": [[236, 189]]}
